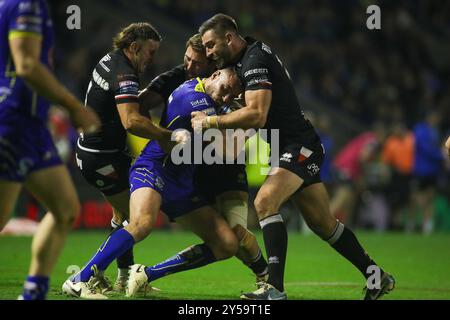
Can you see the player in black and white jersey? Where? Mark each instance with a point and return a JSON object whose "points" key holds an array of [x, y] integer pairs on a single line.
{"points": [[271, 102], [113, 93], [224, 186]]}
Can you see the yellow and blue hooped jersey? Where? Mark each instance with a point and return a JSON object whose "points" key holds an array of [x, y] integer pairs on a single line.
{"points": [[187, 98]]}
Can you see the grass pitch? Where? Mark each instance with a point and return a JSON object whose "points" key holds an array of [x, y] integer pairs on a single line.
{"points": [[314, 271]]}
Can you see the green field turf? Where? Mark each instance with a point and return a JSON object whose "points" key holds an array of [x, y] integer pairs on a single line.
{"points": [[420, 264]]}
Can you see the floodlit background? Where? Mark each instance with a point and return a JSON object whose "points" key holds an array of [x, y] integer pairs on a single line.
{"points": [[377, 97]]}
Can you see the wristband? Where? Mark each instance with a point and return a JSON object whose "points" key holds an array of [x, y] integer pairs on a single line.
{"points": [[212, 122]]}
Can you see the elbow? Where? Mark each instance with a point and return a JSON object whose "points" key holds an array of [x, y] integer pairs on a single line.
{"points": [[260, 121], [129, 125], [26, 68]]}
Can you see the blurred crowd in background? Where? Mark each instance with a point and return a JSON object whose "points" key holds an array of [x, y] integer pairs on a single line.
{"points": [[379, 98]]}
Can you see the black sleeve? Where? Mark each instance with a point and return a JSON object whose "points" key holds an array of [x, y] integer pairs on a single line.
{"points": [[167, 82], [256, 70], [125, 82]]}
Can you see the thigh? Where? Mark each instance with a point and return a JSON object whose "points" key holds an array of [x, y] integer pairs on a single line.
{"points": [[278, 187], [144, 202], [314, 204], [54, 188], [206, 223], [9, 192]]}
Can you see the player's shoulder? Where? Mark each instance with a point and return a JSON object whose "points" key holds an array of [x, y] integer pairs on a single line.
{"points": [[23, 7], [115, 68], [191, 93], [256, 49], [116, 61], [187, 89], [176, 74], [177, 71], [257, 54]]}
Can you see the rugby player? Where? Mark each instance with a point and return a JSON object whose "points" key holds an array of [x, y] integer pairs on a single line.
{"points": [[157, 183], [271, 102], [103, 156], [28, 156], [224, 186]]}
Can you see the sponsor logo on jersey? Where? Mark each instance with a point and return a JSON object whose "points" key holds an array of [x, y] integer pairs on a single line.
{"points": [[263, 80], [304, 154], [108, 171], [104, 66], [159, 183], [266, 48], [313, 169], [100, 183], [274, 259], [102, 83], [256, 71], [199, 102], [286, 157], [128, 83], [107, 57], [29, 20], [24, 166], [29, 7]]}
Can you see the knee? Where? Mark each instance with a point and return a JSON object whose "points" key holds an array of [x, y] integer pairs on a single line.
{"points": [[139, 229], [323, 227], [243, 235], [316, 227], [230, 247], [265, 205], [68, 213], [227, 247]]}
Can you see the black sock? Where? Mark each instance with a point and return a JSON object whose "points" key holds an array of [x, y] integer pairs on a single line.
{"points": [[191, 258], [127, 259], [344, 241], [275, 240], [259, 265]]}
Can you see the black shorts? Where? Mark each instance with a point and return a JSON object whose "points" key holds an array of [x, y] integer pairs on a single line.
{"points": [[399, 189], [422, 183], [303, 160], [212, 180], [108, 172]]}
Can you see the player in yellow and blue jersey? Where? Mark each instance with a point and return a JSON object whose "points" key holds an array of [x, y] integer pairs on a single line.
{"points": [[28, 156], [157, 182]]}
